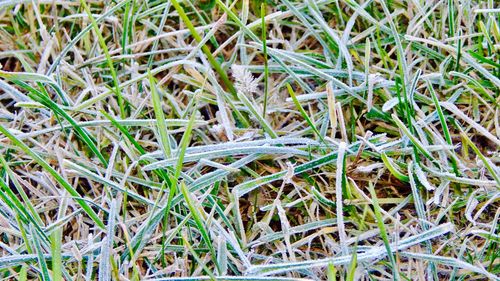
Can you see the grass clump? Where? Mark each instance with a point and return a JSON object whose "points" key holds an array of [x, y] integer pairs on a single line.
{"points": [[249, 140]]}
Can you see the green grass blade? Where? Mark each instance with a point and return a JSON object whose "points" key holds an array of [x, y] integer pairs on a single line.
{"points": [[160, 118], [204, 48], [303, 112], [102, 43], [383, 233]]}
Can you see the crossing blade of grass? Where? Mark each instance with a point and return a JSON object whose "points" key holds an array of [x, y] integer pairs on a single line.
{"points": [[126, 26], [56, 240], [204, 48], [174, 189], [319, 72], [487, 163], [104, 47], [233, 243], [256, 39], [122, 129], [351, 272], [403, 67], [122, 125], [15, 260], [393, 169], [331, 272], [303, 112], [302, 17], [41, 258], [477, 86], [160, 118], [442, 119], [450, 262], [263, 9], [160, 28], [222, 254], [57, 265], [107, 245], [90, 266], [19, 144], [171, 64], [199, 219], [322, 199], [339, 193], [287, 142], [226, 152], [186, 139], [416, 142], [417, 198], [15, 94], [332, 113], [420, 208], [383, 232], [23, 273], [39, 79]]}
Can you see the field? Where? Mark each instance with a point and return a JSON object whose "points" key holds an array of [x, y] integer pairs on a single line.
{"points": [[249, 140]]}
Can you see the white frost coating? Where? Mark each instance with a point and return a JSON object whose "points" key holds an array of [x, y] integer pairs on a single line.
{"points": [[338, 194], [455, 110]]}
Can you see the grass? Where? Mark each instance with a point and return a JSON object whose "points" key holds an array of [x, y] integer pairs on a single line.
{"points": [[249, 140]]}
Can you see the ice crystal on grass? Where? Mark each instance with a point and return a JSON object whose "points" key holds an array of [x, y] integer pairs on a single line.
{"points": [[245, 82]]}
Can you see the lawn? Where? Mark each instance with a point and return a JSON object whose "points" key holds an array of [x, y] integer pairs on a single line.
{"points": [[249, 140]]}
